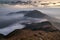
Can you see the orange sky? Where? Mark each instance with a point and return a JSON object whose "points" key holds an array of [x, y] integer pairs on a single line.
{"points": [[49, 0]]}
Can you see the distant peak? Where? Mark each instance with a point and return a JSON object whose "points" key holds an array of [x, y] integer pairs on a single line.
{"points": [[35, 14]]}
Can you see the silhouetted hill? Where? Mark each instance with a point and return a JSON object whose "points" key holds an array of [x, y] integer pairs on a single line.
{"points": [[19, 12], [46, 26], [35, 14]]}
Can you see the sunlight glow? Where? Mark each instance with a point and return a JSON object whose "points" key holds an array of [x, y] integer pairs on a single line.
{"points": [[23, 6]]}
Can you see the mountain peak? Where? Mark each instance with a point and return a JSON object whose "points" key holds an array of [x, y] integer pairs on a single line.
{"points": [[35, 14]]}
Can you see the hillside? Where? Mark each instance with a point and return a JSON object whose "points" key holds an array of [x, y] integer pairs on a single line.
{"points": [[33, 35], [46, 32]]}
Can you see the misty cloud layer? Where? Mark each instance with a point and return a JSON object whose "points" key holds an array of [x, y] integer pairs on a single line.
{"points": [[9, 23]]}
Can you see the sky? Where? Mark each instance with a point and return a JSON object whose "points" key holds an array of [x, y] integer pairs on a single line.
{"points": [[32, 0], [46, 0]]}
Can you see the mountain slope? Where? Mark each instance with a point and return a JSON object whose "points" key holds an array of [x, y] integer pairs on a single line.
{"points": [[33, 35], [31, 31], [34, 30]]}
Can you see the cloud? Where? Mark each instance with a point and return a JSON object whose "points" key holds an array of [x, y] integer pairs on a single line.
{"points": [[12, 1], [7, 30]]}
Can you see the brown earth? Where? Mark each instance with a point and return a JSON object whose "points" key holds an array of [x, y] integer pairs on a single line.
{"points": [[32, 35]]}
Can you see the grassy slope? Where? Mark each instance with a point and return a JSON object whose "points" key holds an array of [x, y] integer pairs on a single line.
{"points": [[33, 35]]}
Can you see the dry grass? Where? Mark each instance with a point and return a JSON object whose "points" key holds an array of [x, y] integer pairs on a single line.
{"points": [[33, 35]]}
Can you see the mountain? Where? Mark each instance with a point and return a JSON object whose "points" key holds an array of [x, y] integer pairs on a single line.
{"points": [[19, 12], [46, 26], [35, 14], [14, 17], [43, 26], [27, 34], [39, 14], [37, 26]]}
